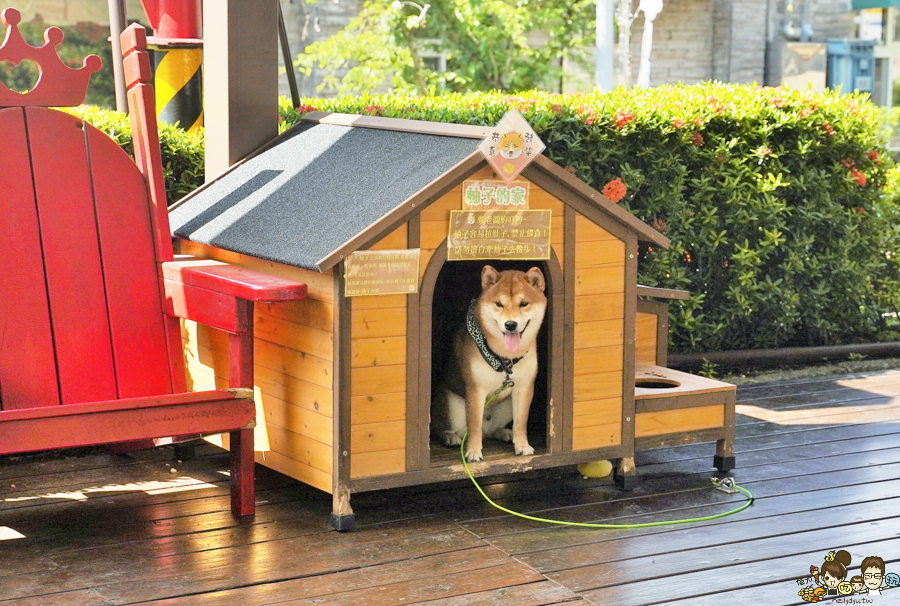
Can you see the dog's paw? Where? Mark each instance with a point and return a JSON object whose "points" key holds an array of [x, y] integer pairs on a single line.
{"points": [[504, 434], [450, 438], [525, 449], [473, 455]]}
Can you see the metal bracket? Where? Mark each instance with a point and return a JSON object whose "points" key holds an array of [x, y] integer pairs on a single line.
{"points": [[726, 485]]}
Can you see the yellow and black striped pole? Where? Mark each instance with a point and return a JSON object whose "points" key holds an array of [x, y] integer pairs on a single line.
{"points": [[179, 85]]}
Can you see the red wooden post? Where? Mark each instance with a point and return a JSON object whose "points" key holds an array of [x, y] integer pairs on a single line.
{"points": [[145, 133], [240, 374], [148, 158]]}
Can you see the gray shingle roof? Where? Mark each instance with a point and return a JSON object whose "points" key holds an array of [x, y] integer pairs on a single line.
{"points": [[316, 188]]}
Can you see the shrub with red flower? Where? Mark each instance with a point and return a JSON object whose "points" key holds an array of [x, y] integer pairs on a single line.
{"points": [[805, 112], [615, 190], [678, 123], [623, 118], [764, 151], [374, 109], [305, 109], [872, 155], [829, 130], [859, 177], [697, 139], [778, 102]]}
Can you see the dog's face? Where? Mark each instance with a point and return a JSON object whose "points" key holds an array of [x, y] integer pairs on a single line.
{"points": [[511, 145], [512, 306]]}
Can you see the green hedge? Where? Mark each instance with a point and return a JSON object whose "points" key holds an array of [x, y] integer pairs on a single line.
{"points": [[780, 204], [182, 152]]}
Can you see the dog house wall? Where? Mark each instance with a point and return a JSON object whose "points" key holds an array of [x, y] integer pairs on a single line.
{"points": [[293, 373]]}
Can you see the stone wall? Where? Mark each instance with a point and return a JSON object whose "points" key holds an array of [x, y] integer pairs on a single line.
{"points": [[682, 42], [833, 19], [306, 23], [699, 40]]}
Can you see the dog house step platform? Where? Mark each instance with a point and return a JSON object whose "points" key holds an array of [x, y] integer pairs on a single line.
{"points": [[673, 407]]}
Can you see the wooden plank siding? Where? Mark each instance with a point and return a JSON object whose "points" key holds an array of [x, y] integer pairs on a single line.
{"points": [[378, 378], [679, 420], [599, 338], [293, 372], [645, 338]]}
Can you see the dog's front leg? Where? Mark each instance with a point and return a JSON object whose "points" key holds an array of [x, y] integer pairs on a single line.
{"points": [[474, 415], [521, 403]]}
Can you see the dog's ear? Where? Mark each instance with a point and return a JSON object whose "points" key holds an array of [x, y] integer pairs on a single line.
{"points": [[535, 277], [489, 277]]}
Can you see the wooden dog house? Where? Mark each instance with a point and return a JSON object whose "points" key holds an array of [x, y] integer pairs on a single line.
{"points": [[345, 382]]}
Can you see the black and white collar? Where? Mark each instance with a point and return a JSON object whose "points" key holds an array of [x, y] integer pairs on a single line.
{"points": [[496, 362]]}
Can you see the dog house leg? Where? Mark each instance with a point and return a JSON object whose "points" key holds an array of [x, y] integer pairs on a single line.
{"points": [[724, 459], [342, 517], [625, 475], [185, 451], [723, 462]]}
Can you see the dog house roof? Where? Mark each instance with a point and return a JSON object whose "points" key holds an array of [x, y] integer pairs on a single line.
{"points": [[337, 183]]}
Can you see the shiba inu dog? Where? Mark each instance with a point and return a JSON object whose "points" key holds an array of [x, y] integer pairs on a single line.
{"points": [[495, 354]]}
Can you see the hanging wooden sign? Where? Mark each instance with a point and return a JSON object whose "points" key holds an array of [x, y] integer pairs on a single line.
{"points": [[477, 235], [488, 194], [381, 272]]}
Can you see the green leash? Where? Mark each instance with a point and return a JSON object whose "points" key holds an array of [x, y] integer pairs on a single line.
{"points": [[462, 452]]}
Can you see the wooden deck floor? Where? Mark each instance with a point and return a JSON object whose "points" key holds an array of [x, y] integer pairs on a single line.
{"points": [[822, 458]]}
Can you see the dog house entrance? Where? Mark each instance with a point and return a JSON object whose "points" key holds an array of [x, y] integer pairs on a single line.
{"points": [[457, 284]]}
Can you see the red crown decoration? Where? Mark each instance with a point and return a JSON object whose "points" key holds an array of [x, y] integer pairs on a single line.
{"points": [[58, 85]]}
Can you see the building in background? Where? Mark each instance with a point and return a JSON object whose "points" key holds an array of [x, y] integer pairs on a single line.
{"points": [[739, 41], [307, 23]]}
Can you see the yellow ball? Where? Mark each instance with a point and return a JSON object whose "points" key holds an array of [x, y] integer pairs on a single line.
{"points": [[595, 469]]}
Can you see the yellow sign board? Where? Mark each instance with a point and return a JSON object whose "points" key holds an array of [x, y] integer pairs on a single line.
{"points": [[493, 194], [477, 235], [381, 272]]}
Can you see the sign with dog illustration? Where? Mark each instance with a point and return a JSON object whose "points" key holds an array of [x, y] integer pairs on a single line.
{"points": [[381, 272], [498, 234], [491, 194], [511, 146]]}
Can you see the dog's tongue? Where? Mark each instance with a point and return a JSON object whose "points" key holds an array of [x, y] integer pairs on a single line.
{"points": [[511, 341]]}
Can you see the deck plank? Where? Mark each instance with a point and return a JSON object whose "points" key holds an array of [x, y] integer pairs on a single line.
{"points": [[351, 582], [544, 593], [783, 570], [541, 546]]}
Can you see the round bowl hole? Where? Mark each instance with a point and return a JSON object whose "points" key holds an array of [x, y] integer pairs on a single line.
{"points": [[655, 383]]}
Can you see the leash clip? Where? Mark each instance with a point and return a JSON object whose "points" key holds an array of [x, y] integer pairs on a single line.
{"points": [[507, 383]]}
